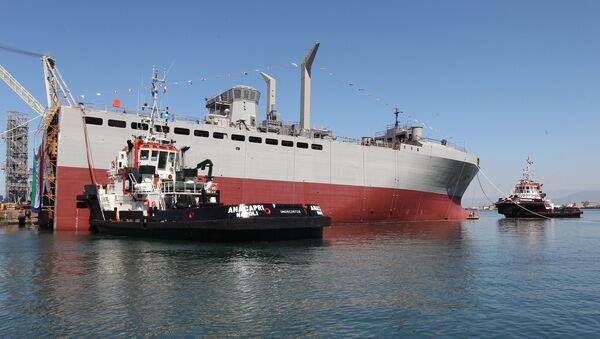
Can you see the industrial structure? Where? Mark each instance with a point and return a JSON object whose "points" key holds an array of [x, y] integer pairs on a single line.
{"points": [[16, 172], [56, 92]]}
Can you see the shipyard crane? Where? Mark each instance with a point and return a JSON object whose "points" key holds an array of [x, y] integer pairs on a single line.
{"points": [[21, 91], [56, 91]]}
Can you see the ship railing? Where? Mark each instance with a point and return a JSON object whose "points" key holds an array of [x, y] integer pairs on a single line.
{"points": [[447, 143], [181, 187], [172, 116], [200, 120]]}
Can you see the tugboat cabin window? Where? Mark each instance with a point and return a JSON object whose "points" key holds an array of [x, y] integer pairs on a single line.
{"points": [[117, 123], [302, 145], [218, 135], [237, 93], [154, 155], [238, 137], [144, 154], [287, 143], [271, 141], [162, 160], [93, 121], [256, 140], [317, 147]]}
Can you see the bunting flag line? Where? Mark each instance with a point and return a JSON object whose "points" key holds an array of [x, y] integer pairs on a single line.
{"points": [[350, 84]]}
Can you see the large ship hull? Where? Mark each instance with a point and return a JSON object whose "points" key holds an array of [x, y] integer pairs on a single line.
{"points": [[351, 182]]}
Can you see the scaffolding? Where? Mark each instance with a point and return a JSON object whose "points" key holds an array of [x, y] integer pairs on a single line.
{"points": [[16, 171]]}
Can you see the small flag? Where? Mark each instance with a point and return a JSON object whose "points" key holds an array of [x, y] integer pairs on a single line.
{"points": [[165, 90]]}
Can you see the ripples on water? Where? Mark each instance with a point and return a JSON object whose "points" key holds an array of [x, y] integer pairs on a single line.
{"points": [[492, 277]]}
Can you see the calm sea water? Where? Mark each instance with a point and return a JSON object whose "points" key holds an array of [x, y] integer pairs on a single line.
{"points": [[492, 277]]}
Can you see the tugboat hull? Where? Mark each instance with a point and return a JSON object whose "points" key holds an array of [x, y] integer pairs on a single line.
{"points": [[512, 210], [251, 229]]}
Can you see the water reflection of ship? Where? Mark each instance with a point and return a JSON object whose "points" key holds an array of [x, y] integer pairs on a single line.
{"points": [[432, 230], [523, 225]]}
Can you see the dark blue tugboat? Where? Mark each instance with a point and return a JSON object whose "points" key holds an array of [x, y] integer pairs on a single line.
{"points": [[528, 201]]}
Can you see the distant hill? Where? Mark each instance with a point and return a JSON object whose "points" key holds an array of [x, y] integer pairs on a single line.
{"points": [[591, 195]]}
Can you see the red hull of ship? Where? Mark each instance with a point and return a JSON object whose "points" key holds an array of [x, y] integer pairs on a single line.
{"points": [[344, 203]]}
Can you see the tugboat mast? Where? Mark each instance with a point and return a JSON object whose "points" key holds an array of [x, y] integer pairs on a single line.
{"points": [[154, 110], [527, 171]]}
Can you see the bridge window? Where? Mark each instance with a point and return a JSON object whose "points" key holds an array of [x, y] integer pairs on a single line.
{"points": [[154, 155], [256, 140], [138, 125], [287, 143], [271, 141], [238, 137], [302, 145], [246, 95], [218, 135], [93, 121], [237, 93], [162, 160], [117, 123], [144, 154], [200, 133], [316, 146], [182, 131]]}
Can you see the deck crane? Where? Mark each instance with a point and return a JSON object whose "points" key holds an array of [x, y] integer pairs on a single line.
{"points": [[57, 91]]}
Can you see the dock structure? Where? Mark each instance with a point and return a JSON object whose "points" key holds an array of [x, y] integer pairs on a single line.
{"points": [[16, 171]]}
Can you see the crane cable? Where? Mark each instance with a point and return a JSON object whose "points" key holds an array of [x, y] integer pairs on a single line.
{"points": [[21, 125], [20, 51]]}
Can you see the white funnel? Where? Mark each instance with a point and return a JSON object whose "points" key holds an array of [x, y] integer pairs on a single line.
{"points": [[271, 92], [305, 88]]}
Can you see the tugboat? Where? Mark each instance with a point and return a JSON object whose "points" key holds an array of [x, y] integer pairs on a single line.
{"points": [[528, 201], [151, 193]]}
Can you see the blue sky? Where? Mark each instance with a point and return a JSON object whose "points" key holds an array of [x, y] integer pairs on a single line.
{"points": [[506, 79]]}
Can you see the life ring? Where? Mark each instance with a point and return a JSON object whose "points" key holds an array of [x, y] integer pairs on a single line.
{"points": [[214, 186], [267, 211]]}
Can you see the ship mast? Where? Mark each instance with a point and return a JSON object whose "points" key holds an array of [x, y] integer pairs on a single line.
{"points": [[396, 112]]}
